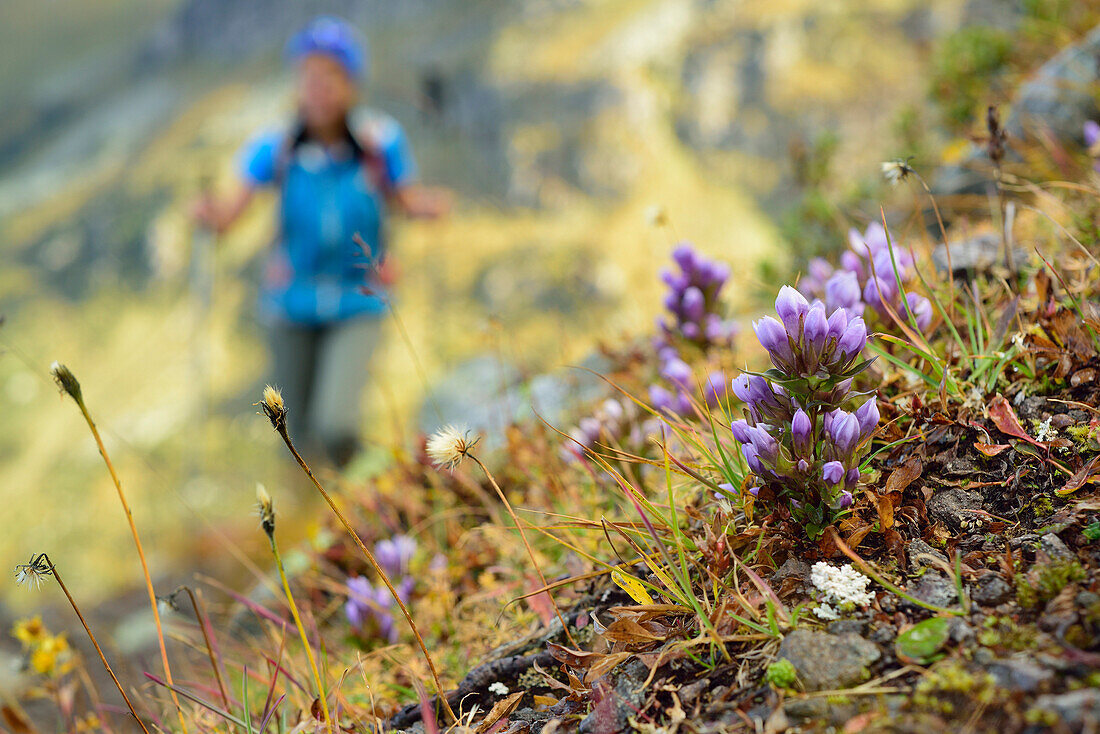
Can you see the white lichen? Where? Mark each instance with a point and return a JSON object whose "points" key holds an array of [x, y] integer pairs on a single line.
{"points": [[843, 587], [1045, 431], [498, 688]]}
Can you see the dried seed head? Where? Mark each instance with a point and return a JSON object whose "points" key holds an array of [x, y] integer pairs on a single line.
{"points": [[896, 170], [274, 407], [31, 573], [266, 509], [66, 380], [448, 446]]}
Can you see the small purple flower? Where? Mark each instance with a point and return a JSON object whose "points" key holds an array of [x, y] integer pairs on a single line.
{"points": [[791, 307], [853, 340], [742, 431], [842, 291], [685, 257], [394, 554], [921, 308], [693, 304], [661, 399], [715, 388], [867, 415], [844, 430], [752, 458], [801, 432], [773, 337], [852, 476], [1092, 133], [832, 472], [844, 501], [814, 333], [677, 372]]}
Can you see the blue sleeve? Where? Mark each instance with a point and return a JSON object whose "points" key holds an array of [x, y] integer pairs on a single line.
{"points": [[400, 164], [256, 161]]}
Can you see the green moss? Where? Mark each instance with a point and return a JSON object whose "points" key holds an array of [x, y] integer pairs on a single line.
{"points": [[1042, 506], [1045, 580], [1092, 532], [1002, 632], [781, 674], [967, 59], [951, 684]]}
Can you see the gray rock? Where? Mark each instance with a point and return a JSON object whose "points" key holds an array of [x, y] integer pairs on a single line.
{"points": [[917, 551], [960, 630], [1055, 547], [617, 701], [991, 590], [824, 661], [933, 588], [1086, 599], [792, 568], [1017, 674], [846, 627], [953, 507], [975, 255], [1074, 708], [1058, 99]]}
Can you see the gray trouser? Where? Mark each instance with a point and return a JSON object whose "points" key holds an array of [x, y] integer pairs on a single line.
{"points": [[321, 371]]}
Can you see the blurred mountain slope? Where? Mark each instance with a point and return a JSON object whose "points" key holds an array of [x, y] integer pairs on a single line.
{"points": [[559, 123]]}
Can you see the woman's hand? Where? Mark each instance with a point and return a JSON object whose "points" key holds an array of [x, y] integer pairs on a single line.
{"points": [[217, 214], [424, 202]]}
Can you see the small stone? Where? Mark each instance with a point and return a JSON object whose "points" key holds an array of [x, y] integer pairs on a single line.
{"points": [[1019, 675], [1086, 599], [933, 588], [1073, 708], [960, 630], [846, 627], [983, 656], [954, 507], [690, 692], [1055, 547], [991, 590], [824, 661], [792, 568], [918, 552]]}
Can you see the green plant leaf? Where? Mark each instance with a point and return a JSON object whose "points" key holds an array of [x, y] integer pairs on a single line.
{"points": [[921, 643]]}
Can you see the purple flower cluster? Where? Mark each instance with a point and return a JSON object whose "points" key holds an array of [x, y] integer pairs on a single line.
{"points": [[1092, 138], [804, 341], [371, 605], [798, 439], [681, 385], [866, 277], [693, 299], [614, 420]]}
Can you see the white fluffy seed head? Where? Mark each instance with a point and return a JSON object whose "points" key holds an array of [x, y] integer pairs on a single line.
{"points": [[448, 446]]}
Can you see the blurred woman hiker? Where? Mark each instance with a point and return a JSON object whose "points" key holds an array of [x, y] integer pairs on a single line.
{"points": [[339, 170]]}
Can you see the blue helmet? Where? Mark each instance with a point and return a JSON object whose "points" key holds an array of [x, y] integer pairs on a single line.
{"points": [[329, 35]]}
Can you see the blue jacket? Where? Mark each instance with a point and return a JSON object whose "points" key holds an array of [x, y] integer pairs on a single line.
{"points": [[317, 272]]}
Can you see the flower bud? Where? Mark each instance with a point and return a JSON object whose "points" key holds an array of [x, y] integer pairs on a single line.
{"points": [[66, 380], [677, 372], [852, 341], [844, 431], [693, 304], [661, 399], [742, 431], [921, 308], [842, 290], [791, 307], [832, 472], [801, 430], [773, 337], [868, 417]]}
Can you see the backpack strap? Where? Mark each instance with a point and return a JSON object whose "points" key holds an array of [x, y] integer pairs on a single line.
{"points": [[363, 144]]}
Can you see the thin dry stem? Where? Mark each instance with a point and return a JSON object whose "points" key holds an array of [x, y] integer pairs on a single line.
{"points": [[141, 556], [302, 633], [200, 616], [282, 431], [526, 544], [95, 644]]}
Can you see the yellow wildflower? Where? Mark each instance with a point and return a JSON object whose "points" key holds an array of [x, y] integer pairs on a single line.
{"points": [[52, 656], [30, 631]]}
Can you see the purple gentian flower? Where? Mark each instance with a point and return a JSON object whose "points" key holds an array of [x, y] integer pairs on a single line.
{"points": [[921, 308], [791, 307], [677, 372], [832, 472], [801, 430], [868, 416], [842, 291], [844, 430], [773, 337]]}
